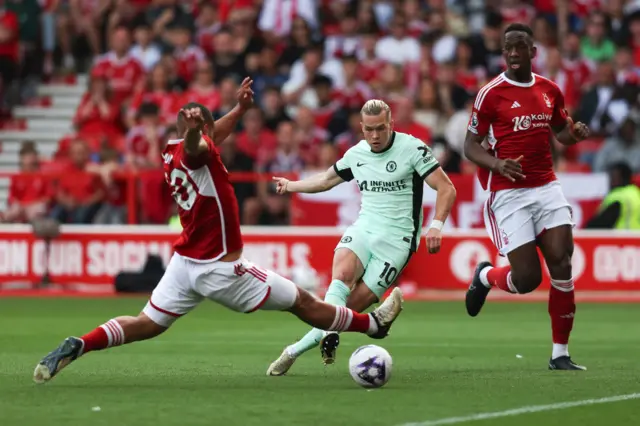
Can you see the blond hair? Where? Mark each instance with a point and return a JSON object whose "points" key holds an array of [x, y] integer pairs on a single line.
{"points": [[375, 107]]}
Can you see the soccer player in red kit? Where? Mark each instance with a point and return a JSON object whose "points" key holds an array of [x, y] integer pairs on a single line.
{"points": [[517, 112], [208, 261]]}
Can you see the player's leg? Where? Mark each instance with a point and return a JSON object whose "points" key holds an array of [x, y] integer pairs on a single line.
{"points": [[556, 245], [349, 260], [347, 270], [554, 227], [171, 299], [510, 225], [360, 299]]}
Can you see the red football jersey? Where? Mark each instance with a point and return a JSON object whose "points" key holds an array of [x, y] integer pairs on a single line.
{"points": [[515, 117], [207, 204], [123, 74]]}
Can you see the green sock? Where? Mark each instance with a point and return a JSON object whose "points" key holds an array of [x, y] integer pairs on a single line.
{"points": [[337, 294]]}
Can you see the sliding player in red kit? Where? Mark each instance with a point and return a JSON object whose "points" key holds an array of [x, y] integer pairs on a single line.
{"points": [[208, 261], [517, 112]]}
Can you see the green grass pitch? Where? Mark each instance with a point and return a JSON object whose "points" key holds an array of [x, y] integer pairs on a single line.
{"points": [[209, 369]]}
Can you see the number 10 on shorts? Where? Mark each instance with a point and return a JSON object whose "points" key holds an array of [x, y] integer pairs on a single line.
{"points": [[388, 274]]}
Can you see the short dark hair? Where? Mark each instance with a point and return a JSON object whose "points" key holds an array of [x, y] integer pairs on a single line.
{"points": [[519, 27], [206, 114], [623, 169], [28, 147], [148, 109]]}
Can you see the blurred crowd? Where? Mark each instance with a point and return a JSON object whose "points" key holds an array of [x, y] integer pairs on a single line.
{"points": [[314, 63]]}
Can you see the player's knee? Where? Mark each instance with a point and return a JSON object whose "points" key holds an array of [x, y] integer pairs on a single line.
{"points": [[304, 302], [347, 276], [346, 268], [560, 265], [140, 328], [527, 280]]}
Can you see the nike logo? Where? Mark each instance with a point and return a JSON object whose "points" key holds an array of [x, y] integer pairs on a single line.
{"points": [[381, 284], [360, 164]]}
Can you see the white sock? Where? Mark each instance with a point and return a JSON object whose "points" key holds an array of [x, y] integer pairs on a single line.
{"points": [[483, 276], [559, 350], [373, 326], [342, 320], [115, 333]]}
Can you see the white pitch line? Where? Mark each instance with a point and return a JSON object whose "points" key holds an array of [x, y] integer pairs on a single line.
{"points": [[524, 410]]}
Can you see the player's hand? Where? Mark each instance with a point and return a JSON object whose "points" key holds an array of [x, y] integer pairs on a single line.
{"points": [[510, 168], [245, 94], [434, 240], [193, 117], [578, 130], [281, 184]]}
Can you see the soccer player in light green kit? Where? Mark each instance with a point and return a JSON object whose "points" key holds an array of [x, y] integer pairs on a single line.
{"points": [[390, 169]]}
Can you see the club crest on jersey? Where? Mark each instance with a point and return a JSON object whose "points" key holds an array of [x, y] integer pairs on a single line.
{"points": [[505, 238], [391, 166], [546, 100]]}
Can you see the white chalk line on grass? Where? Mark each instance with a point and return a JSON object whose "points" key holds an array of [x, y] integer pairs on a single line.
{"points": [[524, 410]]}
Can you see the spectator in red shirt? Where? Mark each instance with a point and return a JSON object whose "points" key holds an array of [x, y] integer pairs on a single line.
{"points": [[79, 193], [29, 194], [575, 65], [256, 141], [324, 105], [203, 90], [556, 72], [207, 24], [355, 92], [404, 122], [309, 136], [158, 92], [143, 141], [114, 209], [187, 55], [470, 78], [369, 65], [98, 116], [123, 72], [9, 49]]}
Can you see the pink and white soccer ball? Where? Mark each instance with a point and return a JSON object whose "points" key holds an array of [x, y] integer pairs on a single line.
{"points": [[370, 366]]}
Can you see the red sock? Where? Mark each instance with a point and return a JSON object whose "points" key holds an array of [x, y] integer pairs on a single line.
{"points": [[562, 308], [501, 278], [348, 320], [107, 335]]}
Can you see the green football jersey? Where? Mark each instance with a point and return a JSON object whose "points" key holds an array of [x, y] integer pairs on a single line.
{"points": [[391, 183]]}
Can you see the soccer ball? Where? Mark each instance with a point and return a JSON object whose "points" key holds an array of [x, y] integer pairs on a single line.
{"points": [[370, 366]]}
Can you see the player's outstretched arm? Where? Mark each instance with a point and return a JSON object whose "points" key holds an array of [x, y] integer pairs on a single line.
{"points": [[317, 183], [226, 124], [571, 133], [446, 196]]}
